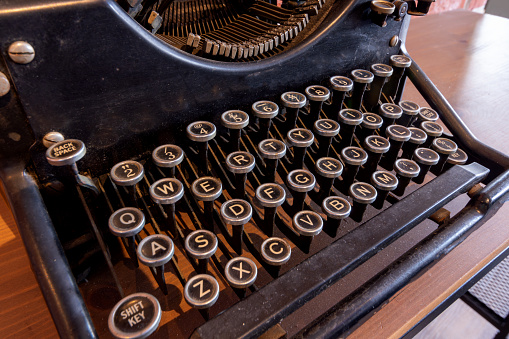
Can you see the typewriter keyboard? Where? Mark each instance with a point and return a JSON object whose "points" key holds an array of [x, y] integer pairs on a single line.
{"points": [[196, 227]]}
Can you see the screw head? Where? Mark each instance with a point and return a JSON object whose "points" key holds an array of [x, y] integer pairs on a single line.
{"points": [[52, 138], [394, 41], [21, 52], [5, 86]]}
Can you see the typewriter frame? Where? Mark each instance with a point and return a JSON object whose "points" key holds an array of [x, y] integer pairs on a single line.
{"points": [[21, 183]]}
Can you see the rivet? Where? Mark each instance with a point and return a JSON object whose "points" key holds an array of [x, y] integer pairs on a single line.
{"points": [[21, 52], [394, 41], [52, 138]]}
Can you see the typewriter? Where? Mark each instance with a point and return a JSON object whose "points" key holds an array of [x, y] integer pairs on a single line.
{"points": [[207, 168]]}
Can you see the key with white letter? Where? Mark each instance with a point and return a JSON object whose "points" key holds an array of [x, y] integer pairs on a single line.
{"points": [[126, 223], [207, 189], [201, 292], [155, 251], [236, 212], [201, 245]]}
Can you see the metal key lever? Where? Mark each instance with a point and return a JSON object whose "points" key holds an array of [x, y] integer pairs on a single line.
{"points": [[335, 261]]}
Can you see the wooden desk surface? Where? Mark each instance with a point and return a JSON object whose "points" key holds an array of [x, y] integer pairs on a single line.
{"points": [[467, 60]]}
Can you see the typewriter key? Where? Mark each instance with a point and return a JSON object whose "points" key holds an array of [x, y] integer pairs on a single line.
{"points": [[316, 95], [168, 156], [336, 209], [307, 224], [340, 86], [405, 170], [397, 135], [292, 101], [362, 194], [300, 139], [399, 63], [300, 181], [353, 158], [384, 182], [236, 212], [127, 222], [375, 147], [433, 130], [457, 158], [426, 158], [410, 111], [389, 112], [265, 111], [201, 245], [427, 114], [167, 192], [444, 147], [382, 73], [241, 272], [135, 317], [380, 11], [155, 251], [327, 169], [417, 138], [235, 121], [348, 119], [361, 79], [207, 189], [202, 132], [240, 164], [270, 196], [325, 130], [271, 150], [201, 292], [370, 123], [276, 252]]}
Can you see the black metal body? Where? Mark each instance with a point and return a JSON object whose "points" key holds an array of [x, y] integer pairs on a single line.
{"points": [[101, 78]]}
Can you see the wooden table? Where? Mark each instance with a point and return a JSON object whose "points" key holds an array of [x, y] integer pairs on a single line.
{"points": [[468, 61]]}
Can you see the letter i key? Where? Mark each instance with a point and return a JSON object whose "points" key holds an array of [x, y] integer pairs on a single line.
{"points": [[127, 222]]}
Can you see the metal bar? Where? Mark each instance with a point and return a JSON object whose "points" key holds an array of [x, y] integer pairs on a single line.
{"points": [[257, 313], [483, 310]]}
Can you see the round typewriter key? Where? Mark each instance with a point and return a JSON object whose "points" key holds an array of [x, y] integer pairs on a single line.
{"points": [[235, 121], [276, 251], [201, 292], [375, 147], [167, 192], [381, 73], [354, 158], [236, 212], [405, 170], [127, 173], [265, 111], [135, 316], [202, 132], [270, 196], [66, 152], [384, 182], [327, 169], [389, 112], [316, 95], [207, 189], [292, 101], [417, 138], [362, 194], [336, 209], [126, 223], [340, 86], [272, 150], [307, 224], [361, 79], [427, 114], [240, 164], [241, 272], [325, 130], [300, 139], [348, 119], [300, 182], [397, 135], [426, 158], [410, 111], [370, 123], [168, 156], [155, 251], [399, 63], [444, 147], [457, 158], [380, 11], [433, 130], [201, 245]]}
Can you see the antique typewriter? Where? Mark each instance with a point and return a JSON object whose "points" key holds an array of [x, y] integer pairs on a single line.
{"points": [[211, 168]]}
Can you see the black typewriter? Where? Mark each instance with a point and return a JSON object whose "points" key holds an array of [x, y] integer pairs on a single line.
{"points": [[205, 168]]}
